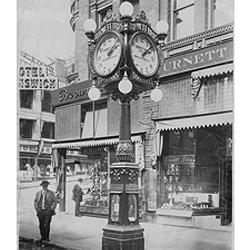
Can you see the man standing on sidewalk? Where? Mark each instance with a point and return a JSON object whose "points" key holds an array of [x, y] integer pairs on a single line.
{"points": [[77, 196], [45, 204]]}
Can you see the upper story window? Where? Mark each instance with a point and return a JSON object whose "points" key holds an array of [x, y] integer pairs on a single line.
{"points": [[46, 101], [48, 130], [183, 18], [223, 12], [102, 13], [26, 128], [94, 119], [26, 98]]}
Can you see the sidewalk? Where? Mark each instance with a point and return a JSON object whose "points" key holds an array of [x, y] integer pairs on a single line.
{"points": [[85, 233]]}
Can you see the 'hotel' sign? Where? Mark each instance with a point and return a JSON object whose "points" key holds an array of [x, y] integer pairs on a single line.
{"points": [[36, 78], [198, 59]]}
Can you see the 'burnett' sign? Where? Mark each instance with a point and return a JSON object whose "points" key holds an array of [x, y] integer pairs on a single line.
{"points": [[36, 78], [198, 59]]}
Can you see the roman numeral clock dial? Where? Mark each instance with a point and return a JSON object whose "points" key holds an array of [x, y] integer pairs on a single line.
{"points": [[107, 54], [144, 55]]}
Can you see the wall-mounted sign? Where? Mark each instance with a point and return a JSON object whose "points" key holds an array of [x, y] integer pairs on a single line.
{"points": [[36, 78], [72, 93], [179, 159], [200, 58], [47, 150], [28, 148]]}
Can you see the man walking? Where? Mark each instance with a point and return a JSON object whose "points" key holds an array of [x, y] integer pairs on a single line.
{"points": [[77, 196], [45, 204]]}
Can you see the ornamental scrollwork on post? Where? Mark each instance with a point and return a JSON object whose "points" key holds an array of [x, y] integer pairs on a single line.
{"points": [[124, 150]]}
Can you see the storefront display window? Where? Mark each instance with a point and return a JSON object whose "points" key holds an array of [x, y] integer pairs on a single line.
{"points": [[95, 177], [44, 168], [26, 163], [191, 165]]}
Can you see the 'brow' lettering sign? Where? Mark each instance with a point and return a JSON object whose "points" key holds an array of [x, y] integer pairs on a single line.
{"points": [[198, 59]]}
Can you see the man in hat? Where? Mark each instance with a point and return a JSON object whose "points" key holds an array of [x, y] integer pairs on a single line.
{"points": [[45, 204], [77, 196]]}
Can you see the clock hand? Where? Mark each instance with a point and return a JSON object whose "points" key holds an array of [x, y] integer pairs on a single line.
{"points": [[141, 58], [109, 53], [146, 51]]}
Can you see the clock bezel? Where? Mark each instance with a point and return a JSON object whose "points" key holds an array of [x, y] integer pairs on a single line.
{"points": [[98, 44], [139, 33]]}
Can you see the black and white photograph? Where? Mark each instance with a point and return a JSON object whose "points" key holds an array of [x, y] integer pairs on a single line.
{"points": [[125, 124]]}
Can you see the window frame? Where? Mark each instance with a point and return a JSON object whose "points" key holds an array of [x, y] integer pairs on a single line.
{"points": [[24, 127], [32, 98], [174, 17], [53, 130]]}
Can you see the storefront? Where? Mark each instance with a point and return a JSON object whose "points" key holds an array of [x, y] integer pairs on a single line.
{"points": [[195, 165], [93, 167], [31, 153], [88, 133], [191, 176]]}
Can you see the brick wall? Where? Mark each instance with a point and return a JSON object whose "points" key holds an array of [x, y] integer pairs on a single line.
{"points": [[81, 42], [216, 95]]}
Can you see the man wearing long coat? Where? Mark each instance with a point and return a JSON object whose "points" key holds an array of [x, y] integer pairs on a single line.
{"points": [[45, 203], [77, 196]]}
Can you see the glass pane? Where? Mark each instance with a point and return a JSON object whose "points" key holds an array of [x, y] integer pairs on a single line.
{"points": [[26, 128], [26, 97], [46, 102], [132, 208], [183, 3], [115, 206], [224, 12], [184, 22]]}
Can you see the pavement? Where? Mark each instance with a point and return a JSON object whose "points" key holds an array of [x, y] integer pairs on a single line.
{"points": [[85, 233]]}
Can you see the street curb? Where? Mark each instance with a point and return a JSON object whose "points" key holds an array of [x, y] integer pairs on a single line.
{"points": [[46, 244]]}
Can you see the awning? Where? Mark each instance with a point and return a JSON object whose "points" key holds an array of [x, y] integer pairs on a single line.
{"points": [[94, 142], [195, 122], [218, 70]]}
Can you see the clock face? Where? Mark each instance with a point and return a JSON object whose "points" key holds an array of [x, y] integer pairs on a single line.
{"points": [[107, 54], [144, 55]]}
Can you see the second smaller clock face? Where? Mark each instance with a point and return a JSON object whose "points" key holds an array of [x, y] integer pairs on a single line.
{"points": [[144, 55], [107, 54]]}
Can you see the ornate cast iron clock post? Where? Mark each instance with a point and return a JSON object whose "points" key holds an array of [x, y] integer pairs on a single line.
{"points": [[125, 59]]}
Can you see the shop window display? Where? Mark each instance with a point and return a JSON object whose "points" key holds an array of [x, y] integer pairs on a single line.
{"points": [[190, 168], [95, 176]]}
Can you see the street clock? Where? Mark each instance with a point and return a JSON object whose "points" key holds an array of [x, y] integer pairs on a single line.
{"points": [[144, 54], [107, 54]]}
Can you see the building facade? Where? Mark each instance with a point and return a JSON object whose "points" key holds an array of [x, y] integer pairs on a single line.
{"points": [[185, 140], [36, 120]]}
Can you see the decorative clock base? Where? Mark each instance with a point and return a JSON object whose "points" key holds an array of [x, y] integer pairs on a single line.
{"points": [[122, 238]]}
